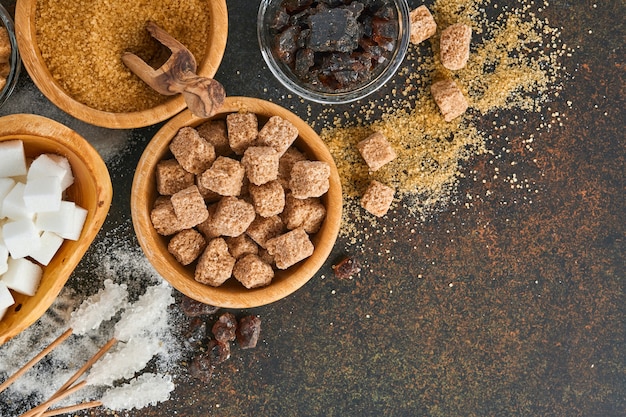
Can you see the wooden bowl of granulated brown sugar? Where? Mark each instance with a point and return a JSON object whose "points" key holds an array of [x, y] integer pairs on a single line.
{"points": [[232, 294], [72, 50]]}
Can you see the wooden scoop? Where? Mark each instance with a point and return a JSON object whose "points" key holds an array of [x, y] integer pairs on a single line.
{"points": [[204, 96]]}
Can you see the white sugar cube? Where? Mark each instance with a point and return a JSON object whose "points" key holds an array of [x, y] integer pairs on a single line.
{"points": [[6, 185], [49, 245], [43, 194], [23, 276], [12, 158], [60, 222], [21, 237], [80, 215], [52, 165], [4, 258], [6, 299], [13, 205]]}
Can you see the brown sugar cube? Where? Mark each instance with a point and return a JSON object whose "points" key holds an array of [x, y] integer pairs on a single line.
{"points": [[268, 199], [243, 129], [191, 151], [449, 98], [285, 165], [278, 133], [214, 132], [264, 228], [252, 272], [209, 196], [215, 265], [186, 246], [225, 176], [377, 198], [309, 179], [266, 257], [376, 151], [5, 45], [208, 228], [454, 46], [261, 164], [164, 218], [5, 70], [189, 207], [290, 248], [233, 216], [241, 245], [308, 213], [3, 81], [423, 24], [171, 177]]}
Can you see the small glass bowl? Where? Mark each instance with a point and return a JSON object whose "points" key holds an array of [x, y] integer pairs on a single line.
{"points": [[285, 75], [14, 61]]}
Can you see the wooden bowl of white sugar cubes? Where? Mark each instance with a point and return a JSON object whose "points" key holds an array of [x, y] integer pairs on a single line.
{"points": [[55, 193], [239, 210]]}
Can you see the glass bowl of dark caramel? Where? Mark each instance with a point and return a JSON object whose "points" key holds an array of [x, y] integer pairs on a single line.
{"points": [[333, 51]]}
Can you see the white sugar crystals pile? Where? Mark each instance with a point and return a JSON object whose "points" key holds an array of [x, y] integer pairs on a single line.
{"points": [[34, 218]]}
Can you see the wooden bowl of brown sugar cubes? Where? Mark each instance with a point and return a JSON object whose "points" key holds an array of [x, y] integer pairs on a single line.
{"points": [[239, 210], [55, 193], [73, 50]]}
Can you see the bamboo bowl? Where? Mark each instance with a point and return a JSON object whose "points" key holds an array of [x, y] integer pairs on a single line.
{"points": [[232, 294], [91, 190], [43, 79]]}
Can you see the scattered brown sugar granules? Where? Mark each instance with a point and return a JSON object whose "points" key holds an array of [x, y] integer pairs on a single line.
{"points": [[82, 41], [513, 65]]}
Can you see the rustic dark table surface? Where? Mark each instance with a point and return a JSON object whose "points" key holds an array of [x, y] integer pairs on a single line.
{"points": [[501, 305]]}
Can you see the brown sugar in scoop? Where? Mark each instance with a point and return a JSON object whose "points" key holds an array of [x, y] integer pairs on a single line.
{"points": [[204, 96]]}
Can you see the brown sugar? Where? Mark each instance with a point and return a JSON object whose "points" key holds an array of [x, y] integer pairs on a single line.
{"points": [[189, 207], [423, 25], [214, 132], [285, 164], [191, 151], [241, 245], [261, 164], [290, 248], [186, 246], [455, 46], [164, 218], [449, 98], [225, 176], [86, 60], [308, 213], [253, 272], [215, 265], [243, 129], [264, 228], [309, 179], [209, 228], [233, 216], [5, 46], [377, 198], [171, 177], [278, 133], [376, 151], [268, 199]]}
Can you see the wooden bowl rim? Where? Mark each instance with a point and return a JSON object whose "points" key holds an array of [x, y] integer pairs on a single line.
{"points": [[37, 69], [224, 296], [24, 126]]}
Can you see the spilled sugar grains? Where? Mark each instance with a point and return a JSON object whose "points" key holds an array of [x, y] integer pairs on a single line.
{"points": [[513, 65]]}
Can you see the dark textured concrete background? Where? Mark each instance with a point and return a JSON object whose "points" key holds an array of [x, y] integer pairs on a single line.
{"points": [[532, 326]]}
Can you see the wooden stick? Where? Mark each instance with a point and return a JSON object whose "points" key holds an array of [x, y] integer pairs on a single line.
{"points": [[41, 408], [36, 359], [61, 392], [72, 408]]}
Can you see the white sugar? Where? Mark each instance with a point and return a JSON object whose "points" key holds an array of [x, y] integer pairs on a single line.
{"points": [[147, 315], [124, 361], [99, 307], [146, 389]]}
